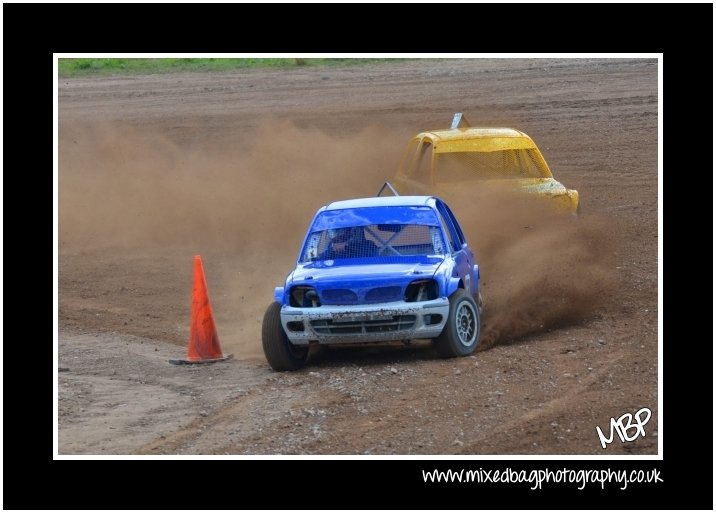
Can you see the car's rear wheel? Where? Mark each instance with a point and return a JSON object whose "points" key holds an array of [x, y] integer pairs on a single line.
{"points": [[462, 329], [281, 354]]}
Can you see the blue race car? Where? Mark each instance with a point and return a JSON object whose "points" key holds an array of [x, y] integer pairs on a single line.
{"points": [[377, 269]]}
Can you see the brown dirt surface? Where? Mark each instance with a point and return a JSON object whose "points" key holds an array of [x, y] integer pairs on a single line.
{"points": [[231, 166]]}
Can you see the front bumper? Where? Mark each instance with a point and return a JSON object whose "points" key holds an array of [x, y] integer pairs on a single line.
{"points": [[352, 324]]}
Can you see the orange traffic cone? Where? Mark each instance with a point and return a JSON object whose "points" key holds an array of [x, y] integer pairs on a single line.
{"points": [[203, 339]]}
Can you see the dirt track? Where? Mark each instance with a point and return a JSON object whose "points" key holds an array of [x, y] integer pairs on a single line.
{"points": [[155, 169]]}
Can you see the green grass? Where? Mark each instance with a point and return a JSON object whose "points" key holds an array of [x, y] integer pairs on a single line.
{"points": [[102, 66]]}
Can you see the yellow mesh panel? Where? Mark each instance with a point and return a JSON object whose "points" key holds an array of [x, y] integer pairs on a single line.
{"points": [[465, 166], [483, 144]]}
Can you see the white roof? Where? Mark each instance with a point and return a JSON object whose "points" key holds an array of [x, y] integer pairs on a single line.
{"points": [[381, 201]]}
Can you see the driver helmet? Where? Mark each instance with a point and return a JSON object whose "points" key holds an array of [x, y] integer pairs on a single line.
{"points": [[342, 235], [350, 235]]}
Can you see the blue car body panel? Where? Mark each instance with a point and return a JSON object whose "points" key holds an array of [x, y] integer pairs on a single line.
{"points": [[388, 297], [364, 216]]}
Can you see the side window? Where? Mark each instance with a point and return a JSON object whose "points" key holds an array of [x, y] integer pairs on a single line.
{"points": [[454, 235], [451, 240], [458, 230]]}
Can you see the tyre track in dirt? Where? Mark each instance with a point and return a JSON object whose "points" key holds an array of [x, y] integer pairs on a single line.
{"points": [[120, 392]]}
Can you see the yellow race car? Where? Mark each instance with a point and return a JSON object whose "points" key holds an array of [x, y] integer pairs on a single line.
{"points": [[449, 161]]}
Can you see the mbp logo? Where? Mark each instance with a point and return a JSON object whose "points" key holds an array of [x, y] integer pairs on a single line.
{"points": [[623, 425]]}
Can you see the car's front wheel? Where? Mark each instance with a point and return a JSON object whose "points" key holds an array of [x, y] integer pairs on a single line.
{"points": [[281, 354], [462, 329]]}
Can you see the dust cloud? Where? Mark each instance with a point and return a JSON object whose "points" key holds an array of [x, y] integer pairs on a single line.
{"points": [[244, 208], [539, 270], [122, 187]]}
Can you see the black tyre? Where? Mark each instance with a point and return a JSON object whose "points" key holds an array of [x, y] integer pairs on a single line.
{"points": [[462, 329], [281, 354]]}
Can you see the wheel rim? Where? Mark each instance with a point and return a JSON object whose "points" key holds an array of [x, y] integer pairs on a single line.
{"points": [[465, 324]]}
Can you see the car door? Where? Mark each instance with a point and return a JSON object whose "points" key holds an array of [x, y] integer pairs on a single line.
{"points": [[461, 252]]}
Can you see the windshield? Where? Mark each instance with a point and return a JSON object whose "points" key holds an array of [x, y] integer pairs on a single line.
{"points": [[478, 165], [375, 241]]}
